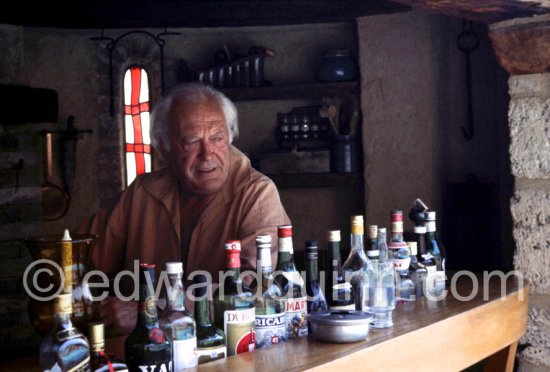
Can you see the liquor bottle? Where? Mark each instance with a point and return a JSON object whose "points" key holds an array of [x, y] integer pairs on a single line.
{"points": [[210, 339], [424, 257], [99, 359], [417, 270], [372, 246], [177, 323], [338, 292], [405, 287], [65, 348], [316, 299], [382, 244], [435, 248], [270, 311], [292, 284], [357, 264], [234, 304], [397, 248], [147, 347]]}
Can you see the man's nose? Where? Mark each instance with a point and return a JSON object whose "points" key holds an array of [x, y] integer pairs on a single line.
{"points": [[206, 149]]}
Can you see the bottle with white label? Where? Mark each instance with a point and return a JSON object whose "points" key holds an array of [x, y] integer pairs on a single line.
{"points": [[292, 284], [435, 248], [177, 323], [270, 313], [234, 305]]}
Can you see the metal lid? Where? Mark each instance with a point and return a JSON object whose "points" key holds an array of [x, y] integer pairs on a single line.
{"points": [[174, 267], [347, 318]]}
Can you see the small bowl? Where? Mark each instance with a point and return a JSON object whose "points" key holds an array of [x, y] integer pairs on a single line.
{"points": [[340, 326]]}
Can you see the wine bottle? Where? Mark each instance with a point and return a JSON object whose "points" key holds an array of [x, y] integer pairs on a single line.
{"points": [[292, 284], [397, 248], [372, 246], [270, 314], [316, 299], [210, 339], [65, 348], [234, 304], [338, 292], [100, 360], [177, 323], [147, 348]]}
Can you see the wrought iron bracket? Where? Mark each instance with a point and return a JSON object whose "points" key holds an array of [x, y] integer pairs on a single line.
{"points": [[111, 45]]}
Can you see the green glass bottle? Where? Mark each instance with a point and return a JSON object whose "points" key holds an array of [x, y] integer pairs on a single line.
{"points": [[210, 339], [292, 284], [234, 305], [338, 293], [65, 348], [147, 348], [270, 314], [177, 323]]}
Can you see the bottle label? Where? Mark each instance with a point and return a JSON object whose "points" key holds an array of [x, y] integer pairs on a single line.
{"points": [[285, 245], [430, 226], [81, 367], [67, 334], [397, 226], [373, 253], [238, 326], [270, 329], [296, 316], [184, 353], [401, 263], [157, 367], [209, 354]]}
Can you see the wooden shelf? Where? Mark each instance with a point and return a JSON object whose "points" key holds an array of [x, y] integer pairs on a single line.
{"points": [[301, 91], [316, 180]]}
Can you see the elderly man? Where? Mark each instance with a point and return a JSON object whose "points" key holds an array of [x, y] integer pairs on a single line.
{"points": [[209, 193]]}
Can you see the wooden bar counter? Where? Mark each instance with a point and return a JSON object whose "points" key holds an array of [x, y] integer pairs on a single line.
{"points": [[447, 335]]}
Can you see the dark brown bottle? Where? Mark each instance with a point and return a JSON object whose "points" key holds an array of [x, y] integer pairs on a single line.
{"points": [[147, 347], [99, 359]]}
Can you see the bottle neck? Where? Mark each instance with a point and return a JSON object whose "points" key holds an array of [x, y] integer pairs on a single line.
{"points": [[63, 320], [285, 261], [175, 293], [147, 309], [312, 271], [202, 312], [334, 259]]}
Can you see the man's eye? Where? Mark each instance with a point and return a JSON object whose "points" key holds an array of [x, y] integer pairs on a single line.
{"points": [[217, 139], [190, 142]]}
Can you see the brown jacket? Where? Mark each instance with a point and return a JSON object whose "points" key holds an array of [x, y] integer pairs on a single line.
{"points": [[144, 224]]}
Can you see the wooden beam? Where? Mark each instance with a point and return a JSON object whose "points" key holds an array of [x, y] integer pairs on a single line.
{"points": [[522, 46]]}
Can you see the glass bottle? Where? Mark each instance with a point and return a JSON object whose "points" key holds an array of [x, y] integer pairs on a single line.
{"points": [[65, 348], [372, 246], [316, 299], [357, 264], [101, 361], [270, 313], [405, 288], [397, 247], [210, 339], [147, 347], [177, 323], [234, 305], [292, 284], [382, 244], [338, 291], [417, 270], [435, 248]]}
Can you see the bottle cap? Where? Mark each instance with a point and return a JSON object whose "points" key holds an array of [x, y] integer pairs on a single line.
{"points": [[382, 230], [263, 239], [397, 215], [64, 304], [430, 216], [333, 236], [233, 252], [373, 231], [312, 250], [284, 231], [420, 229], [357, 225], [97, 334], [174, 267], [413, 246], [232, 245]]}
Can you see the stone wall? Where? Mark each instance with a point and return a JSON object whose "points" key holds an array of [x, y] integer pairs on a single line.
{"points": [[529, 119]]}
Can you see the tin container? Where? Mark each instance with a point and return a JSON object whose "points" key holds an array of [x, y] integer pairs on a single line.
{"points": [[340, 326]]}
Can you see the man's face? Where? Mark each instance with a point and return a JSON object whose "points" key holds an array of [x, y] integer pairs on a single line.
{"points": [[199, 145]]}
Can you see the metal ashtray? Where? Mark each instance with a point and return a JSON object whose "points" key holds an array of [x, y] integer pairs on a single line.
{"points": [[340, 326]]}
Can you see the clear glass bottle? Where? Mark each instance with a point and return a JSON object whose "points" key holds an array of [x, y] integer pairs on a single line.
{"points": [[147, 346], [292, 284], [316, 298], [382, 244], [435, 248], [234, 305], [210, 339], [270, 314], [177, 323], [338, 292], [65, 348], [100, 360], [357, 264], [405, 287]]}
